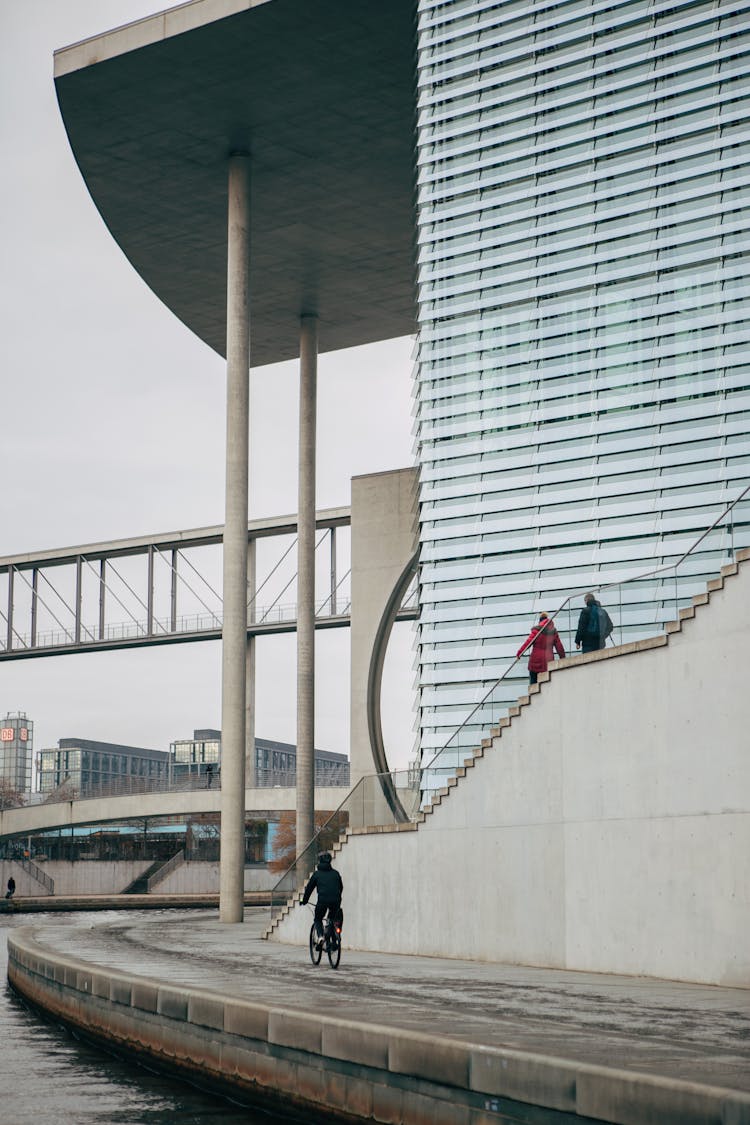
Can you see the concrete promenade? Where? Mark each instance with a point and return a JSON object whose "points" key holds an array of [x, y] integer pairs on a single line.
{"points": [[390, 1038]]}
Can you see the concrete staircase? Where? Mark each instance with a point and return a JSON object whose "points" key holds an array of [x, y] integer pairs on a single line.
{"points": [[150, 877], [41, 877], [661, 640], [502, 729]]}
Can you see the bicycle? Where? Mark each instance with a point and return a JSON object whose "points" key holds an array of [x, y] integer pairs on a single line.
{"points": [[331, 943]]}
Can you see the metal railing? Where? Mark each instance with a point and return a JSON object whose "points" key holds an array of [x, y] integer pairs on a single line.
{"points": [[276, 614], [165, 870], [131, 785], [376, 800], [677, 580], [37, 874]]}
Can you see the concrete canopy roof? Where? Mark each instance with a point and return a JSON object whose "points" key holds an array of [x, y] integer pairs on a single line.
{"points": [[321, 94]]}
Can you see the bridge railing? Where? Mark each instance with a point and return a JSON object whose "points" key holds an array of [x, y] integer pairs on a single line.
{"points": [[128, 785], [276, 614]]}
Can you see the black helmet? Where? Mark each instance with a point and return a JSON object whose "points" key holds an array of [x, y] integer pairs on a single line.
{"points": [[324, 857]]}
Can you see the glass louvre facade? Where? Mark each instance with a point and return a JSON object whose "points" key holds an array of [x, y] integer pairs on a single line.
{"points": [[583, 393]]}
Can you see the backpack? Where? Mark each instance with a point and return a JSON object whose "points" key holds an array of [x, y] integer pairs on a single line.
{"points": [[593, 623]]}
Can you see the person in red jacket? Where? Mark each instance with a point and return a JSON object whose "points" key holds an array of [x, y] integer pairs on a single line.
{"points": [[543, 638]]}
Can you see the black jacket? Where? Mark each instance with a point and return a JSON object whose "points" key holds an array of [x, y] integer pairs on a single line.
{"points": [[328, 883], [598, 638]]}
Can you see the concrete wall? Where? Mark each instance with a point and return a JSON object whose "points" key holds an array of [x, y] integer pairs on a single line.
{"points": [[110, 877], [203, 878], [384, 538], [607, 829]]}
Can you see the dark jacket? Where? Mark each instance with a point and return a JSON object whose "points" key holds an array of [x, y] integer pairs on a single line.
{"points": [[598, 638], [328, 883], [543, 638]]}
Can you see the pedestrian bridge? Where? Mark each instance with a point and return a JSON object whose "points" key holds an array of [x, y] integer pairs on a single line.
{"points": [[160, 803]]}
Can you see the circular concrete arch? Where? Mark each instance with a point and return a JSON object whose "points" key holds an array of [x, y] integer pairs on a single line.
{"points": [[321, 93]]}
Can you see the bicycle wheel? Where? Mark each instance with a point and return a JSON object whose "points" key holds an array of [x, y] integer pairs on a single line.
{"points": [[333, 949], [315, 953]]}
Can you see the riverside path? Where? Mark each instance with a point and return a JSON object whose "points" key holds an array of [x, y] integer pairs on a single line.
{"points": [[392, 1038]]}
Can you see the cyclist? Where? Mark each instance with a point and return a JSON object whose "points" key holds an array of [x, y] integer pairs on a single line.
{"points": [[330, 886]]}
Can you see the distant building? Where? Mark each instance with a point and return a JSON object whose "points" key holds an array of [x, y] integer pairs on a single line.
{"points": [[16, 753], [275, 762], [192, 755], [87, 767]]}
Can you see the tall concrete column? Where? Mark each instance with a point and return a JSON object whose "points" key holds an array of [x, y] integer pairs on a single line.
{"points": [[251, 774], [234, 633], [306, 583]]}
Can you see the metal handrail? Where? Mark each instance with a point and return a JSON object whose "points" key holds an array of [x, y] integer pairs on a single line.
{"points": [[37, 874], [379, 785], [577, 593], [166, 869]]}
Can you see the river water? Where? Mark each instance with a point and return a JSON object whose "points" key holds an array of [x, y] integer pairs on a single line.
{"points": [[48, 1077]]}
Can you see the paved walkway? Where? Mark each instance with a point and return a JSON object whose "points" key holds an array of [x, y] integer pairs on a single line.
{"points": [[694, 1033]]}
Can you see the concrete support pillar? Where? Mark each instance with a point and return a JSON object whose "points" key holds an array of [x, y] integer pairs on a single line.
{"points": [[234, 633], [251, 775], [306, 584]]}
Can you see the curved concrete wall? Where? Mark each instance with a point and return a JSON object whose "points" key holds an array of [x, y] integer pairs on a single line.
{"points": [[607, 828]]}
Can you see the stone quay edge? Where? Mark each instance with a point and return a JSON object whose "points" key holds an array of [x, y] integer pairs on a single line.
{"points": [[329, 1068]]}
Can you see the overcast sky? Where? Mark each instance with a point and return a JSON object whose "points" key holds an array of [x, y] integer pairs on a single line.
{"points": [[113, 425]]}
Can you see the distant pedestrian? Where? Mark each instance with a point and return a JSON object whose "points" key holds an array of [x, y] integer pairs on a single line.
{"points": [[209, 775], [594, 626], [11, 888], [544, 640]]}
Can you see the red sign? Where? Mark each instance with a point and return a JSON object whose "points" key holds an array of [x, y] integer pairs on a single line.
{"points": [[7, 734], [23, 734]]}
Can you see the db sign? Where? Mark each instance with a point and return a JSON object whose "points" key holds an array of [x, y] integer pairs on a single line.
{"points": [[7, 734]]}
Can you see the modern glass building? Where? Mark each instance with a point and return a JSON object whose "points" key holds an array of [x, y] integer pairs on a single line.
{"points": [[85, 767], [275, 762], [583, 392], [16, 757]]}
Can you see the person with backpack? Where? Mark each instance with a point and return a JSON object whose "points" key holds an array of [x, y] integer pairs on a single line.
{"points": [[543, 639], [330, 887], [594, 626]]}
